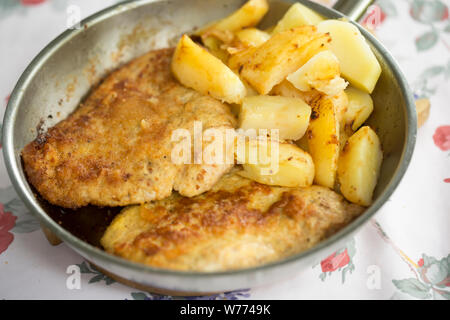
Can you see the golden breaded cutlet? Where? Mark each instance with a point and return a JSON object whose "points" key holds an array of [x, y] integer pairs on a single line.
{"points": [[115, 149], [239, 223]]}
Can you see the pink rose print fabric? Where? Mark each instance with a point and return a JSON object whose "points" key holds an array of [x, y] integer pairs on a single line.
{"points": [[7, 222], [334, 262], [31, 2], [442, 138]]}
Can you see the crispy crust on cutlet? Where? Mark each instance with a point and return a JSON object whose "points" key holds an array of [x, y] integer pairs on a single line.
{"points": [[239, 223], [115, 149]]}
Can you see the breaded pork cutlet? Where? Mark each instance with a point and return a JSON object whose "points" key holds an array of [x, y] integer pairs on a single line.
{"points": [[115, 149], [239, 223]]}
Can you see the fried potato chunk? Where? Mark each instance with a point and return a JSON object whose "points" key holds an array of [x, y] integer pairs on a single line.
{"points": [[323, 141], [289, 115], [252, 37], [276, 164], [196, 68], [359, 166], [360, 107], [297, 15], [358, 63], [248, 15], [321, 72], [270, 63]]}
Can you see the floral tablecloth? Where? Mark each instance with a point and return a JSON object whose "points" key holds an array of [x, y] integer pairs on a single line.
{"points": [[403, 253]]}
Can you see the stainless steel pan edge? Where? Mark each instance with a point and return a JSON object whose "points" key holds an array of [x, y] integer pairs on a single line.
{"points": [[196, 281]]}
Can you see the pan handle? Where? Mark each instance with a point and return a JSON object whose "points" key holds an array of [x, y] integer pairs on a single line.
{"points": [[354, 9]]}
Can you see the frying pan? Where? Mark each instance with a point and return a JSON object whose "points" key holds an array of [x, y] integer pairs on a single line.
{"points": [[63, 73]]}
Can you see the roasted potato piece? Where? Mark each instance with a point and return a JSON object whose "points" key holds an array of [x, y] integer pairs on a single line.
{"points": [[285, 52], [321, 72], [238, 59], [345, 132], [357, 61], [248, 15], [252, 37], [250, 91], [289, 115], [214, 47], [340, 102], [323, 141], [217, 42], [244, 40], [289, 166], [298, 15], [196, 68], [359, 166], [225, 36], [360, 107], [286, 89]]}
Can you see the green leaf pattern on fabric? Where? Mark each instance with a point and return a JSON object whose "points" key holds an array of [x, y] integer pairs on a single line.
{"points": [[428, 81], [86, 268], [388, 7], [427, 40], [428, 11], [434, 279], [139, 296], [413, 287]]}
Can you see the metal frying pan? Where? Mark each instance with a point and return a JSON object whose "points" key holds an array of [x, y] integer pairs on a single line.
{"points": [[63, 73]]}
